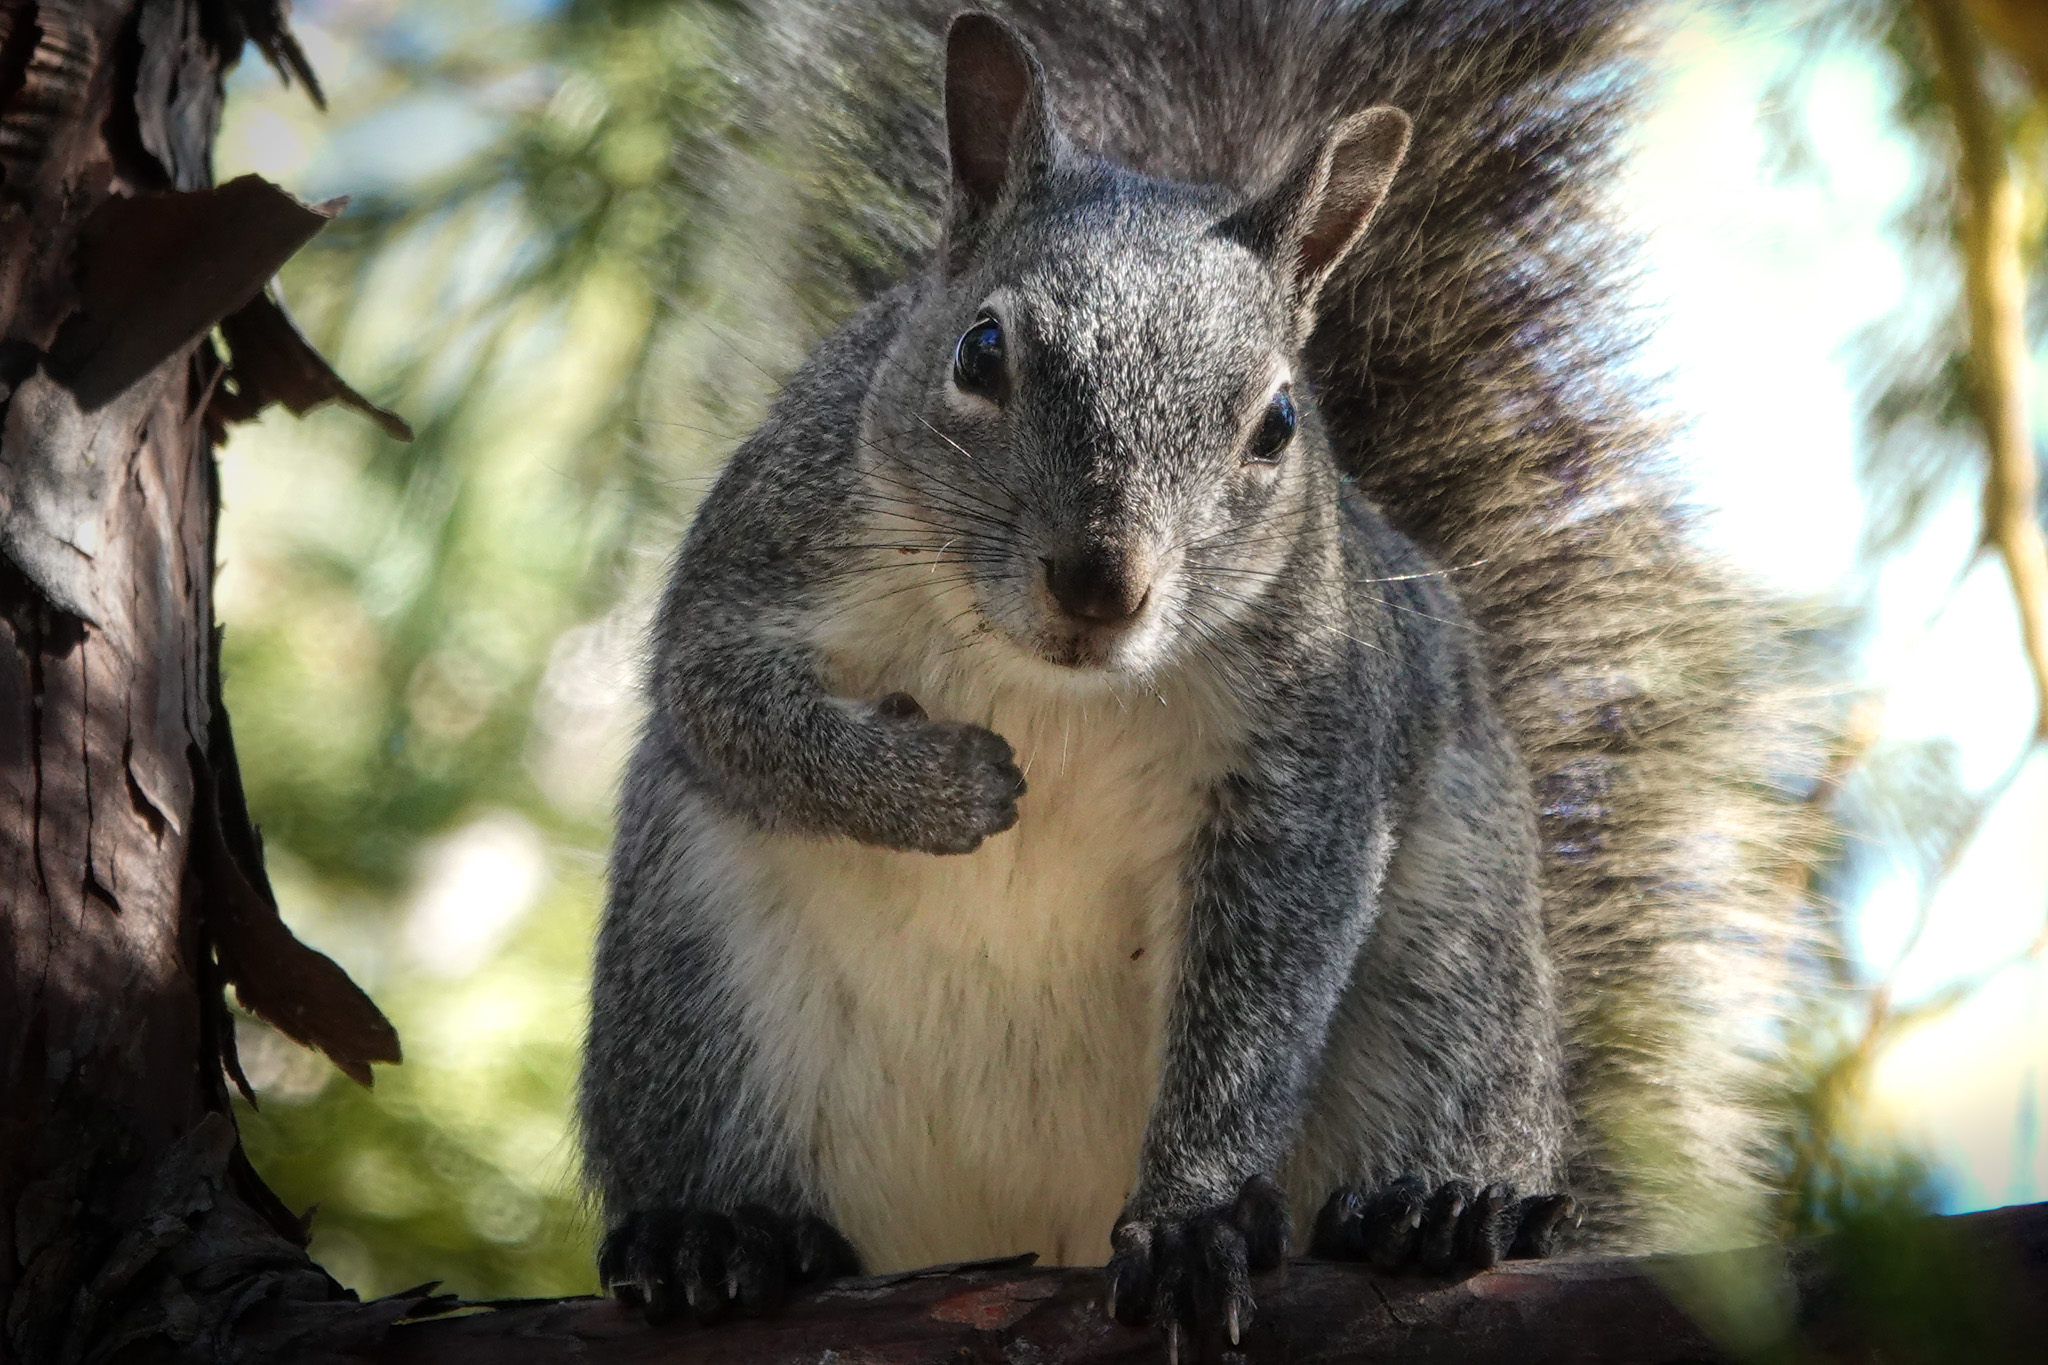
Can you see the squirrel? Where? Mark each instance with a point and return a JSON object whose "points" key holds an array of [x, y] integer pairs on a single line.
{"points": [[1198, 714]]}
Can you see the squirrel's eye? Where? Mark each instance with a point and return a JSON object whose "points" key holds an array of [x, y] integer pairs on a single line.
{"points": [[978, 359], [1276, 429]]}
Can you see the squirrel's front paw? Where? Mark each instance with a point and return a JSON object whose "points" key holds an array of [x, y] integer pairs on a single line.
{"points": [[1194, 1272], [1405, 1225], [963, 783], [667, 1260]]}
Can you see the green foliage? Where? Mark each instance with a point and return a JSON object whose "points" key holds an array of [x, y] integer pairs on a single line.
{"points": [[424, 654], [459, 1166], [1922, 1292], [1909, 1288]]}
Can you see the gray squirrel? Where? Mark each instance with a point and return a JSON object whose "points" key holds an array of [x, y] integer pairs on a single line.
{"points": [[1198, 714]]}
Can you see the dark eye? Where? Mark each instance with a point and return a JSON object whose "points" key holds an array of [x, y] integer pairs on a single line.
{"points": [[1276, 429], [978, 359]]}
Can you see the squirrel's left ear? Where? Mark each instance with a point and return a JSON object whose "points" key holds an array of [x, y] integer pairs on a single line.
{"points": [[998, 128], [1310, 221]]}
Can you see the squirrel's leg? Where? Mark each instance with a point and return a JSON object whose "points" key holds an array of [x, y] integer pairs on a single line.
{"points": [[777, 558], [705, 1191], [741, 692], [708, 1201], [1279, 904], [1439, 1115]]}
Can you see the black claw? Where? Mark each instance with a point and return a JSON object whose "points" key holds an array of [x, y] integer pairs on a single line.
{"points": [[1540, 1219], [1391, 1229], [821, 1252], [1339, 1233], [698, 1265], [1174, 1272], [754, 1275], [1260, 1213], [1219, 1275], [669, 1261], [658, 1304], [614, 1260], [650, 1263], [1438, 1252], [1131, 1273], [1486, 1229]]}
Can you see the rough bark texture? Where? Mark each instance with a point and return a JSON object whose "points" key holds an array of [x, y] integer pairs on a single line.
{"points": [[1623, 1310], [133, 883]]}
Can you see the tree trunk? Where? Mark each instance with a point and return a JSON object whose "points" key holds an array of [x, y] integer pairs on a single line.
{"points": [[133, 883]]}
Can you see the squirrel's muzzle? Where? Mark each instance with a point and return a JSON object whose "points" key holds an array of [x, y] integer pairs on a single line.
{"points": [[1102, 586]]}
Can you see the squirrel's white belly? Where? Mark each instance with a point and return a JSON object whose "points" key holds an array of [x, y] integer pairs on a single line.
{"points": [[972, 1043]]}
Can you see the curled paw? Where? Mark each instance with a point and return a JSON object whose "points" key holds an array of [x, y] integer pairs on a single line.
{"points": [[1457, 1227], [671, 1261], [964, 783], [1192, 1273]]}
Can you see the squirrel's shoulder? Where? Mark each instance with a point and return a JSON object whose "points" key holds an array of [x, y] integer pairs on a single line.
{"points": [[812, 422], [802, 460]]}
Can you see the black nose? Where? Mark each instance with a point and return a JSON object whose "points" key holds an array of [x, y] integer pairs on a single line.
{"points": [[1100, 586]]}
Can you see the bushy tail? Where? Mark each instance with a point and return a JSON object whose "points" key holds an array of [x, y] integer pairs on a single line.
{"points": [[1471, 361]]}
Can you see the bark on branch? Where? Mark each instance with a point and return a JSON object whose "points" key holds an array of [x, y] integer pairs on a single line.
{"points": [[1638, 1310]]}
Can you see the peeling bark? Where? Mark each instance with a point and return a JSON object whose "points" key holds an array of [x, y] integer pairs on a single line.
{"points": [[133, 887]]}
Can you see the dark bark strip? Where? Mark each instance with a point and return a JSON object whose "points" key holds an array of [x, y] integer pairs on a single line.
{"points": [[132, 887]]}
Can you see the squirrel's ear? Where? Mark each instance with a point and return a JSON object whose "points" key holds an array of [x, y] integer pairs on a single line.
{"points": [[998, 129], [1309, 222]]}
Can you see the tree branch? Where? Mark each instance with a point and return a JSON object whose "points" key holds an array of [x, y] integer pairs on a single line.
{"points": [[1995, 275], [1583, 1309], [2021, 28]]}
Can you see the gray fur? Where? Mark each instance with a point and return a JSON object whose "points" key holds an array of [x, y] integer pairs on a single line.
{"points": [[1490, 850]]}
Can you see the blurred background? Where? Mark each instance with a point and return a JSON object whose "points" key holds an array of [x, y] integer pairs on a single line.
{"points": [[431, 648]]}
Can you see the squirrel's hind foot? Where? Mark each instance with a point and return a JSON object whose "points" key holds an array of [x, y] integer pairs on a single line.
{"points": [[670, 1261], [1193, 1273], [1457, 1228]]}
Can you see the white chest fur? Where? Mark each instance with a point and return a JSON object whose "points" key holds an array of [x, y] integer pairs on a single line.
{"points": [[972, 1044]]}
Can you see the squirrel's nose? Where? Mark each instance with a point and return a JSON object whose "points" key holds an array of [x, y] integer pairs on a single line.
{"points": [[1101, 586]]}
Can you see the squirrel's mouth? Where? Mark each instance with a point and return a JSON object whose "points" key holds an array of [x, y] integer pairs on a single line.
{"points": [[1095, 609], [1081, 649], [1127, 645]]}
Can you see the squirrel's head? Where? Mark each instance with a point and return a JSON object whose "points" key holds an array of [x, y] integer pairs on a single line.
{"points": [[1096, 414]]}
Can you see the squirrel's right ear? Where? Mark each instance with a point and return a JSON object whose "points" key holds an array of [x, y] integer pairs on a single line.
{"points": [[998, 128], [1310, 221]]}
